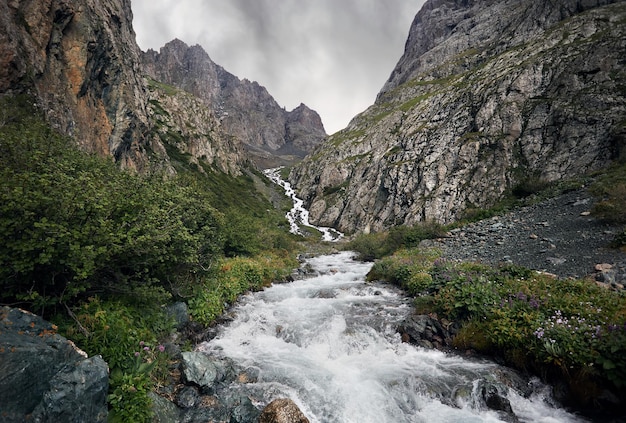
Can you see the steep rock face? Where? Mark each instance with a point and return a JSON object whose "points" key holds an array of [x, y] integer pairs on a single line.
{"points": [[245, 109], [185, 131], [488, 94], [80, 61]]}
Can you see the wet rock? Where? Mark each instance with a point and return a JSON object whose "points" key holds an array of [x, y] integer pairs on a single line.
{"points": [[282, 410], [179, 312], [424, 331], [164, 411], [250, 375], [495, 401], [198, 368], [44, 375], [242, 410], [188, 397]]}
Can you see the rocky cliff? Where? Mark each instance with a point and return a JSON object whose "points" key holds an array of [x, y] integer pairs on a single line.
{"points": [[80, 63], [245, 109], [487, 96]]}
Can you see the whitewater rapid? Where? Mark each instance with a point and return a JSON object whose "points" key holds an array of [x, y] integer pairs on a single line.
{"points": [[330, 344], [298, 215]]}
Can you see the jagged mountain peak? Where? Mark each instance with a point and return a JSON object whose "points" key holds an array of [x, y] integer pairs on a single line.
{"points": [[445, 28], [245, 108]]}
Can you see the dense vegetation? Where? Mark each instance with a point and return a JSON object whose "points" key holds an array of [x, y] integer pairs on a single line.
{"points": [[570, 329], [100, 251]]}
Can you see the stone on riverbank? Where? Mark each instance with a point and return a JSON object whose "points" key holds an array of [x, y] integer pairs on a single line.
{"points": [[282, 410], [45, 376]]}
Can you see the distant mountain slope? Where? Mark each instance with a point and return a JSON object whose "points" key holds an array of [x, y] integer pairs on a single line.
{"points": [[487, 96], [245, 109]]}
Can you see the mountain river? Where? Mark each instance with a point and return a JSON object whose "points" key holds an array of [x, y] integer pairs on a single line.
{"points": [[298, 215], [329, 343]]}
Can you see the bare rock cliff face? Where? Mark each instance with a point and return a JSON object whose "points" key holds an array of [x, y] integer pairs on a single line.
{"points": [[488, 95], [80, 61], [245, 109]]}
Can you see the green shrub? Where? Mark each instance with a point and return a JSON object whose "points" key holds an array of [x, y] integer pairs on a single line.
{"points": [[529, 186], [533, 320], [126, 335], [73, 224], [377, 245], [236, 276]]}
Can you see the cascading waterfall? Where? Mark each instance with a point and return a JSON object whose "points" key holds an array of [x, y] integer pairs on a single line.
{"points": [[298, 215], [329, 343]]}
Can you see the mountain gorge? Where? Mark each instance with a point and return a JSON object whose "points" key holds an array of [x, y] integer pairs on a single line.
{"points": [[80, 63], [488, 96]]}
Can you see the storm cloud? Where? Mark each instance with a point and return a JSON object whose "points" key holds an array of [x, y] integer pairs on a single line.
{"points": [[332, 55]]}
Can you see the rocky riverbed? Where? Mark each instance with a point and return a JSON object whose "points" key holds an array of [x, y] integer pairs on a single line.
{"points": [[557, 236]]}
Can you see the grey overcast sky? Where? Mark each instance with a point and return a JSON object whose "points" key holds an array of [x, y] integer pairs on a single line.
{"points": [[332, 55]]}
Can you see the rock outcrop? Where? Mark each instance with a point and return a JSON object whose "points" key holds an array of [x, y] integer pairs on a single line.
{"points": [[489, 95], [245, 109], [81, 62], [45, 378]]}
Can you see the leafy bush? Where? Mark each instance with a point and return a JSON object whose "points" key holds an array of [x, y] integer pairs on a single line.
{"points": [[610, 192], [533, 320], [126, 336], [233, 277], [529, 186], [409, 269], [73, 224], [377, 245]]}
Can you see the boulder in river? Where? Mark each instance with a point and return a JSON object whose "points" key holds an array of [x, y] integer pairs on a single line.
{"points": [[282, 410]]}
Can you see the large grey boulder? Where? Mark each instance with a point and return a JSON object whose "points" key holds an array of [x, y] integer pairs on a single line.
{"points": [[45, 377]]}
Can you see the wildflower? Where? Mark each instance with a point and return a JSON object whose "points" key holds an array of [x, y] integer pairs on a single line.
{"points": [[136, 353], [141, 343], [161, 348], [539, 333], [146, 348]]}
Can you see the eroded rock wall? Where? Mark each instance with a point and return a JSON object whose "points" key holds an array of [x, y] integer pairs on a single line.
{"points": [[80, 62], [488, 95]]}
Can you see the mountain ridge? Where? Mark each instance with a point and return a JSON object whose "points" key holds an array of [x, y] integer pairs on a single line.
{"points": [[245, 108], [79, 61], [465, 124]]}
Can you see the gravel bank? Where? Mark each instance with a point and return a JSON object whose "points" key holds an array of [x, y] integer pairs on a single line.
{"points": [[556, 236]]}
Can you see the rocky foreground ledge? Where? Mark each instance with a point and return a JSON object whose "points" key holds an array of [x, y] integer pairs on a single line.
{"points": [[45, 377]]}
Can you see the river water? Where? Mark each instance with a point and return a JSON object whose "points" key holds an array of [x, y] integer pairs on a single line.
{"points": [[329, 343], [298, 215]]}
